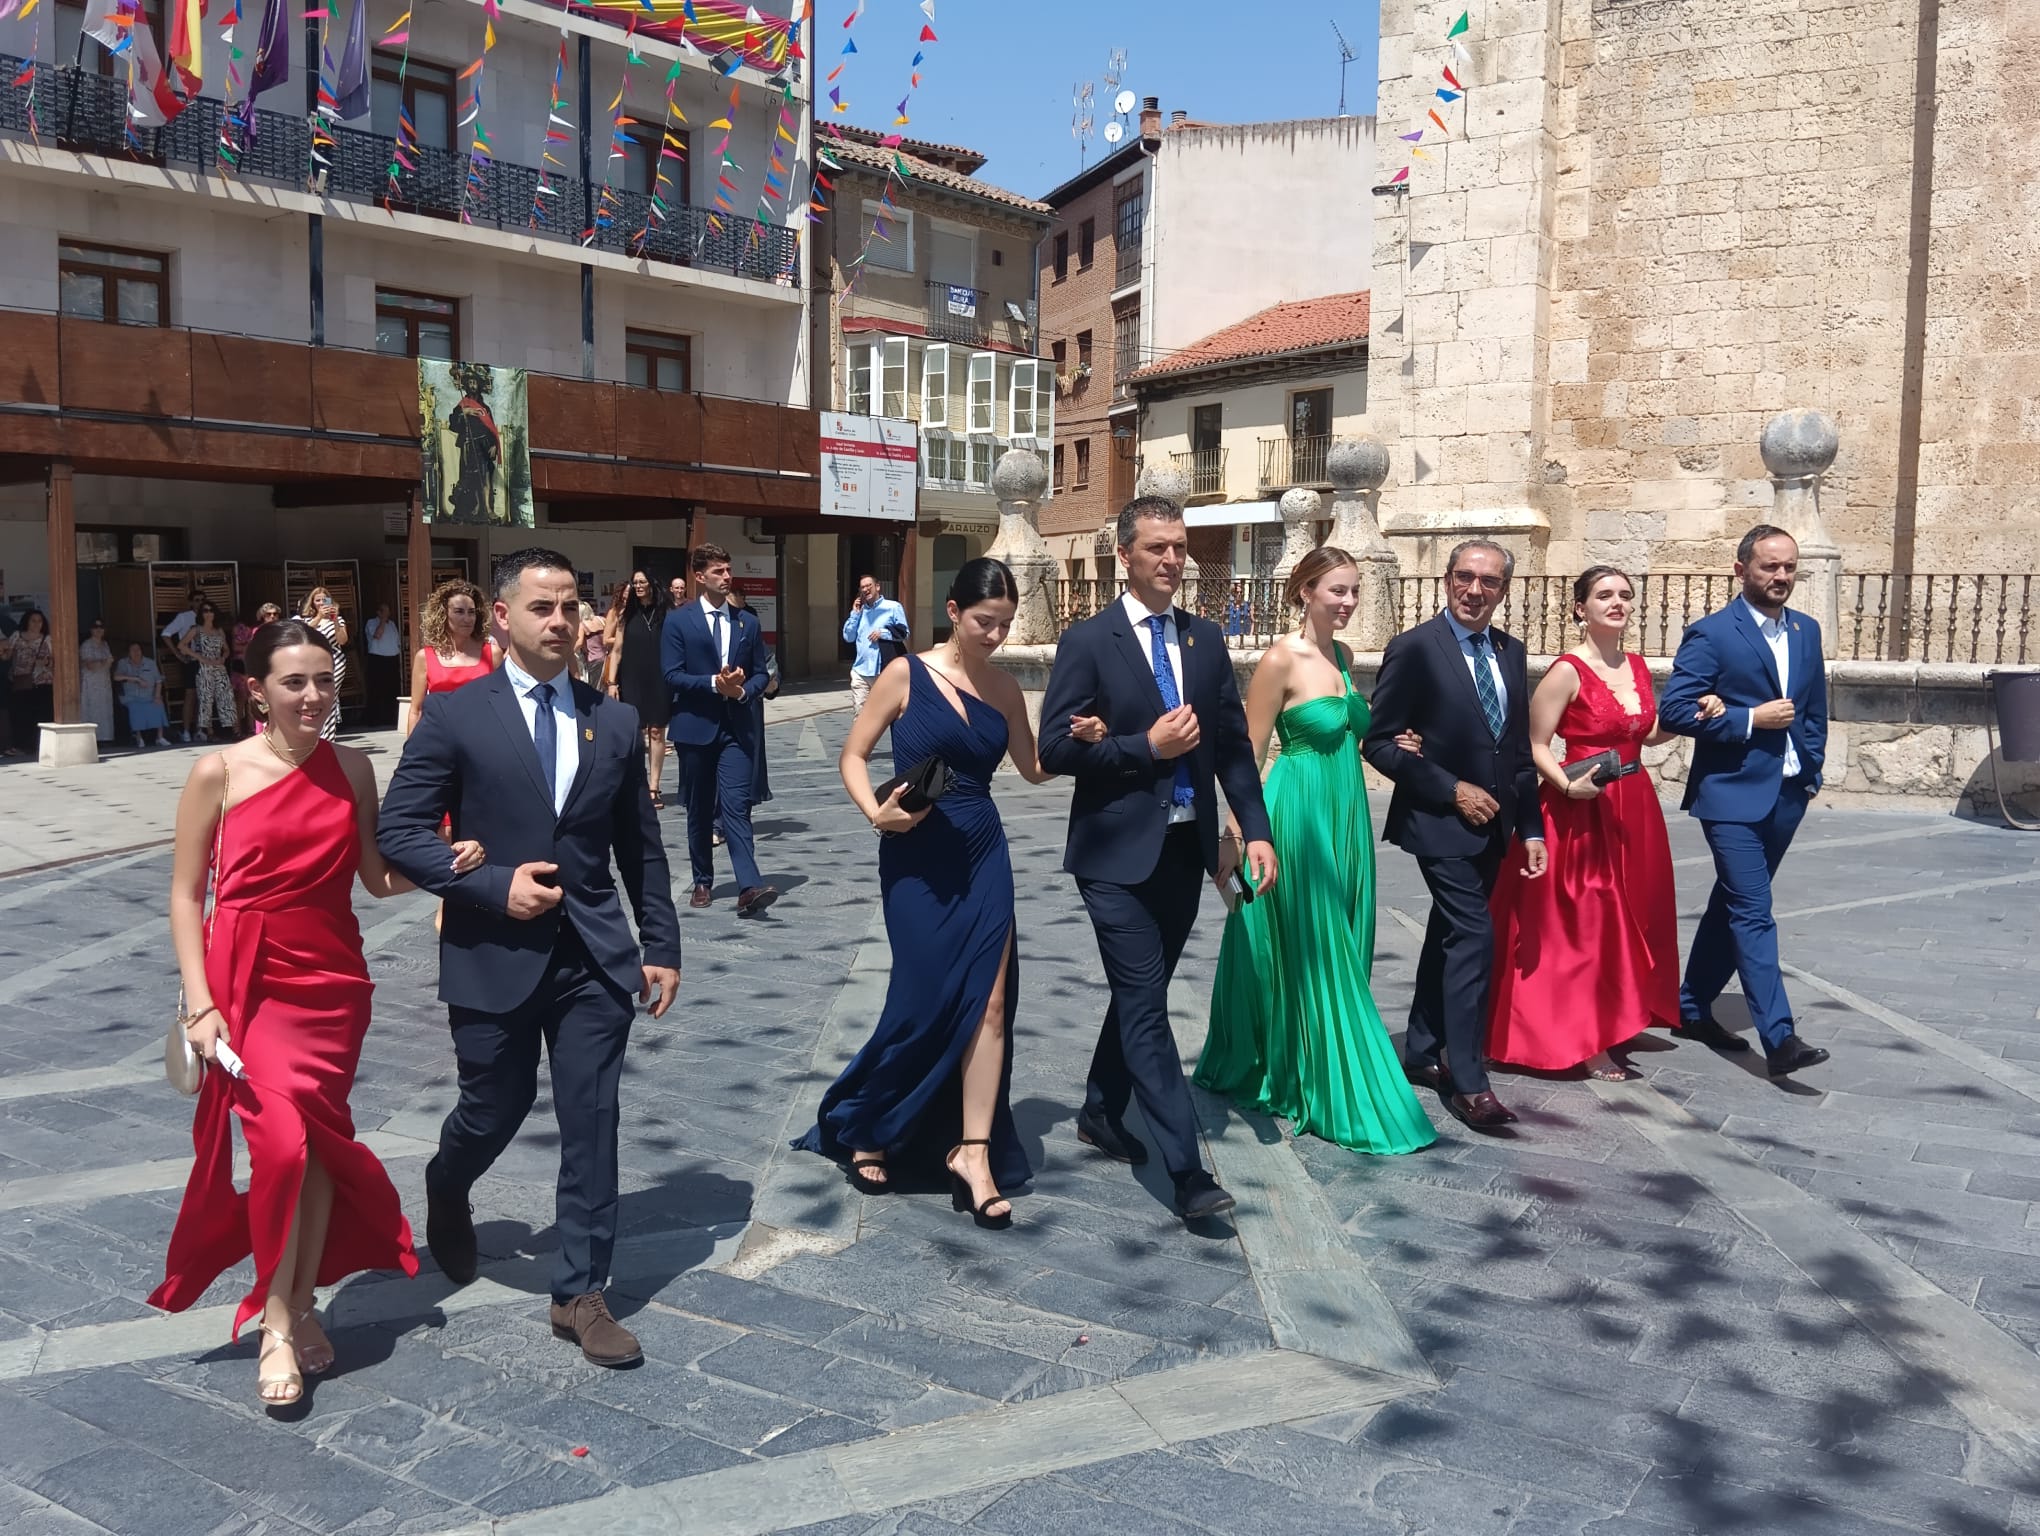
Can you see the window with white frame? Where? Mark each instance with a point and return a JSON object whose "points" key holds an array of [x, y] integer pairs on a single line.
{"points": [[941, 458], [1020, 398], [857, 393], [982, 452], [935, 386], [894, 249], [983, 404], [893, 378], [1044, 403]]}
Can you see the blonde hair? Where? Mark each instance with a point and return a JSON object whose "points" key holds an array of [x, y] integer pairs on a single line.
{"points": [[310, 607], [434, 624]]}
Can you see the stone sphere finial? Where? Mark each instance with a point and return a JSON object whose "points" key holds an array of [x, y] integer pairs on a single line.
{"points": [[1019, 476], [1356, 464], [1300, 505], [1799, 443], [1166, 481]]}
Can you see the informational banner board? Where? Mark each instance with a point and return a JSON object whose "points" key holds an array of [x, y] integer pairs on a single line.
{"points": [[870, 467]]}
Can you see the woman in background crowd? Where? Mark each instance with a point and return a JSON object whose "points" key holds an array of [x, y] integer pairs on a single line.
{"points": [[268, 613], [595, 626], [32, 679], [635, 675], [205, 646], [323, 614], [454, 653], [95, 681], [141, 695]]}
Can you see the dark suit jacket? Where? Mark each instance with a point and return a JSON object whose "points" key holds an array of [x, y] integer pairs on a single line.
{"points": [[472, 757], [1425, 685], [1120, 809], [1736, 773], [688, 657]]}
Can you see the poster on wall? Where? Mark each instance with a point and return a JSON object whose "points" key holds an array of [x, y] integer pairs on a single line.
{"points": [[475, 431], [754, 563], [870, 467]]}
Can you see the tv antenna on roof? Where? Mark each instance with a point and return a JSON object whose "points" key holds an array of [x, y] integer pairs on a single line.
{"points": [[1081, 120], [1346, 56]]}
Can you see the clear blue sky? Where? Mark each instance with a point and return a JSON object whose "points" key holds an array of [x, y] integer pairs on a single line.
{"points": [[999, 77]]}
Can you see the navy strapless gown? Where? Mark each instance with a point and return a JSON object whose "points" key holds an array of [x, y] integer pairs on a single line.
{"points": [[947, 887]]}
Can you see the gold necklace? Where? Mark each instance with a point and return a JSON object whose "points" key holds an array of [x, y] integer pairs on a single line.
{"points": [[273, 735]]}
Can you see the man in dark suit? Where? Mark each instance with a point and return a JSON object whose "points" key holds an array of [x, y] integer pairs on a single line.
{"points": [[1464, 687], [1144, 827], [1756, 767], [550, 776], [713, 655]]}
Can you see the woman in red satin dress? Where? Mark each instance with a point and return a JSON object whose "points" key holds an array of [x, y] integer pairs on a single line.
{"points": [[283, 823], [1588, 956]]}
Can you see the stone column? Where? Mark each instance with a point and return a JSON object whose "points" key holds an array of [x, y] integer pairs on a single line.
{"points": [[1018, 480], [1300, 508], [1172, 485], [1798, 448], [1357, 467]]}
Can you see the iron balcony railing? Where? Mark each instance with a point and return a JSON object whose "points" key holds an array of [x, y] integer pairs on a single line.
{"points": [[955, 313], [1206, 468], [86, 111], [1292, 461], [1250, 611], [1980, 619]]}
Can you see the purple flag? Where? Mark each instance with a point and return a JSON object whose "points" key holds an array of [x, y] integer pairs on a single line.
{"points": [[353, 87], [272, 60]]}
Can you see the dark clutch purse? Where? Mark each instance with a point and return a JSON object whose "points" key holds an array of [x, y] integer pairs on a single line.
{"points": [[925, 783], [1606, 767]]}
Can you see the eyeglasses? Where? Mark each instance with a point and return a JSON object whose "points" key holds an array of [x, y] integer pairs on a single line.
{"points": [[1472, 579]]}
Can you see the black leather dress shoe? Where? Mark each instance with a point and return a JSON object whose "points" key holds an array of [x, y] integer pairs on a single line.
{"points": [[1792, 1054], [450, 1235], [1425, 1074], [1199, 1195], [1481, 1111], [1710, 1034], [1111, 1138]]}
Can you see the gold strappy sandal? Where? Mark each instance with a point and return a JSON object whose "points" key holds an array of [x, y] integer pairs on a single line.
{"points": [[312, 1359], [278, 1391]]}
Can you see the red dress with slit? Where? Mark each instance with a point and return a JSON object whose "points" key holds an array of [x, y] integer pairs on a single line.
{"points": [[287, 972], [1587, 956]]}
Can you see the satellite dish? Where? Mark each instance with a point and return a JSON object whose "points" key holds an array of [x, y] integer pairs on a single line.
{"points": [[1123, 103], [1114, 133]]}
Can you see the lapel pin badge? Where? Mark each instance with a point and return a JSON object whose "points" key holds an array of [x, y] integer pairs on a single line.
{"points": [[588, 734], [1189, 639]]}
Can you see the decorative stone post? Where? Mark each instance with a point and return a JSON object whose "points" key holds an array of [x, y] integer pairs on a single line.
{"points": [[1357, 467], [1018, 480], [1300, 508], [1173, 485], [1798, 448]]}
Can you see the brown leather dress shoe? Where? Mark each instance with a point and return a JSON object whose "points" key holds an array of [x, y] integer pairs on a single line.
{"points": [[1424, 1074], [1481, 1111], [702, 896], [603, 1340], [756, 899]]}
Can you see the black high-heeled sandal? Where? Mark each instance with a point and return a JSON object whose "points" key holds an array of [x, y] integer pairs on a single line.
{"points": [[960, 1198], [864, 1181]]}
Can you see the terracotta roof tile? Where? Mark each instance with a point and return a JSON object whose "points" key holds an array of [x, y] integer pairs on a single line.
{"points": [[877, 158], [1302, 325]]}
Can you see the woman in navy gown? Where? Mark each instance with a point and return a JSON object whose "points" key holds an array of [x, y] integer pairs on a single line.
{"points": [[937, 1069]]}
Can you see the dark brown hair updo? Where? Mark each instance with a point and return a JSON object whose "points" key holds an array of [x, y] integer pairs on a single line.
{"points": [[1312, 569], [279, 636], [1584, 583]]}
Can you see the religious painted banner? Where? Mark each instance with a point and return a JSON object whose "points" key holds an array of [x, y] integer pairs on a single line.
{"points": [[476, 435]]}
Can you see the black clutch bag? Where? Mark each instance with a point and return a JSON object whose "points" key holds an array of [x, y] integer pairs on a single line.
{"points": [[925, 783], [1606, 767]]}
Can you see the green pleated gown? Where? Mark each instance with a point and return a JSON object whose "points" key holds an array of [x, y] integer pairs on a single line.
{"points": [[1294, 1031]]}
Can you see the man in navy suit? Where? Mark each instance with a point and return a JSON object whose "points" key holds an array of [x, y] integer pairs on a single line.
{"points": [[550, 775], [1756, 767], [1144, 827], [713, 655], [1463, 686]]}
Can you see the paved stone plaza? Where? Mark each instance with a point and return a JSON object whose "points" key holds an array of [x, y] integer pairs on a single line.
{"points": [[1703, 1303]]}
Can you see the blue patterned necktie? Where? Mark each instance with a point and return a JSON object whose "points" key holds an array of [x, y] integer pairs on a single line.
{"points": [[545, 736], [1484, 684], [1183, 792]]}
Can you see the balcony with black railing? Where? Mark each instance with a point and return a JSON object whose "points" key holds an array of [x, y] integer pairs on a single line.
{"points": [[85, 111], [1293, 461], [955, 313], [1206, 468]]}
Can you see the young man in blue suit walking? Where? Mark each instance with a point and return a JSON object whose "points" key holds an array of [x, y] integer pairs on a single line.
{"points": [[713, 655], [550, 776], [1756, 767]]}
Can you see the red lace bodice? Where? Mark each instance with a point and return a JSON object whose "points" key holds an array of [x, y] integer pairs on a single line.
{"points": [[1596, 720]]}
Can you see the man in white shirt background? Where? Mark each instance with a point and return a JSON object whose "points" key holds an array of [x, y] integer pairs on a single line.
{"points": [[384, 648]]}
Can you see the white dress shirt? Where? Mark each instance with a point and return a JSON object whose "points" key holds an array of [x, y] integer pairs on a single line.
{"points": [[1779, 640], [566, 729], [1138, 615], [729, 625], [1494, 663]]}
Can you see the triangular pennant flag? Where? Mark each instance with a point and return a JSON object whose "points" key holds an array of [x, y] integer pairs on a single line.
{"points": [[1452, 79], [1401, 175], [1412, 138], [928, 9], [928, 35], [849, 45], [918, 56], [1458, 27], [1448, 95], [1439, 121]]}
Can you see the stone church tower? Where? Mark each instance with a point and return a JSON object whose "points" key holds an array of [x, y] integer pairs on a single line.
{"points": [[1652, 224]]}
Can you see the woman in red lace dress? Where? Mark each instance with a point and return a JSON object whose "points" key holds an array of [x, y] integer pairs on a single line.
{"points": [[282, 823], [1588, 956]]}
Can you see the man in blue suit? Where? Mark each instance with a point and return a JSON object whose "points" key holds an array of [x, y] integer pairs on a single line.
{"points": [[1144, 827], [713, 655], [1755, 768], [550, 776]]}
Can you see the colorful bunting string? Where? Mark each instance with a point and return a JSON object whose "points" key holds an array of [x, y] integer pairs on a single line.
{"points": [[607, 203], [405, 153], [558, 130], [1450, 92]]}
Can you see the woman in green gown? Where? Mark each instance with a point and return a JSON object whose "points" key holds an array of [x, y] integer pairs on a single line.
{"points": [[1294, 1031]]}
